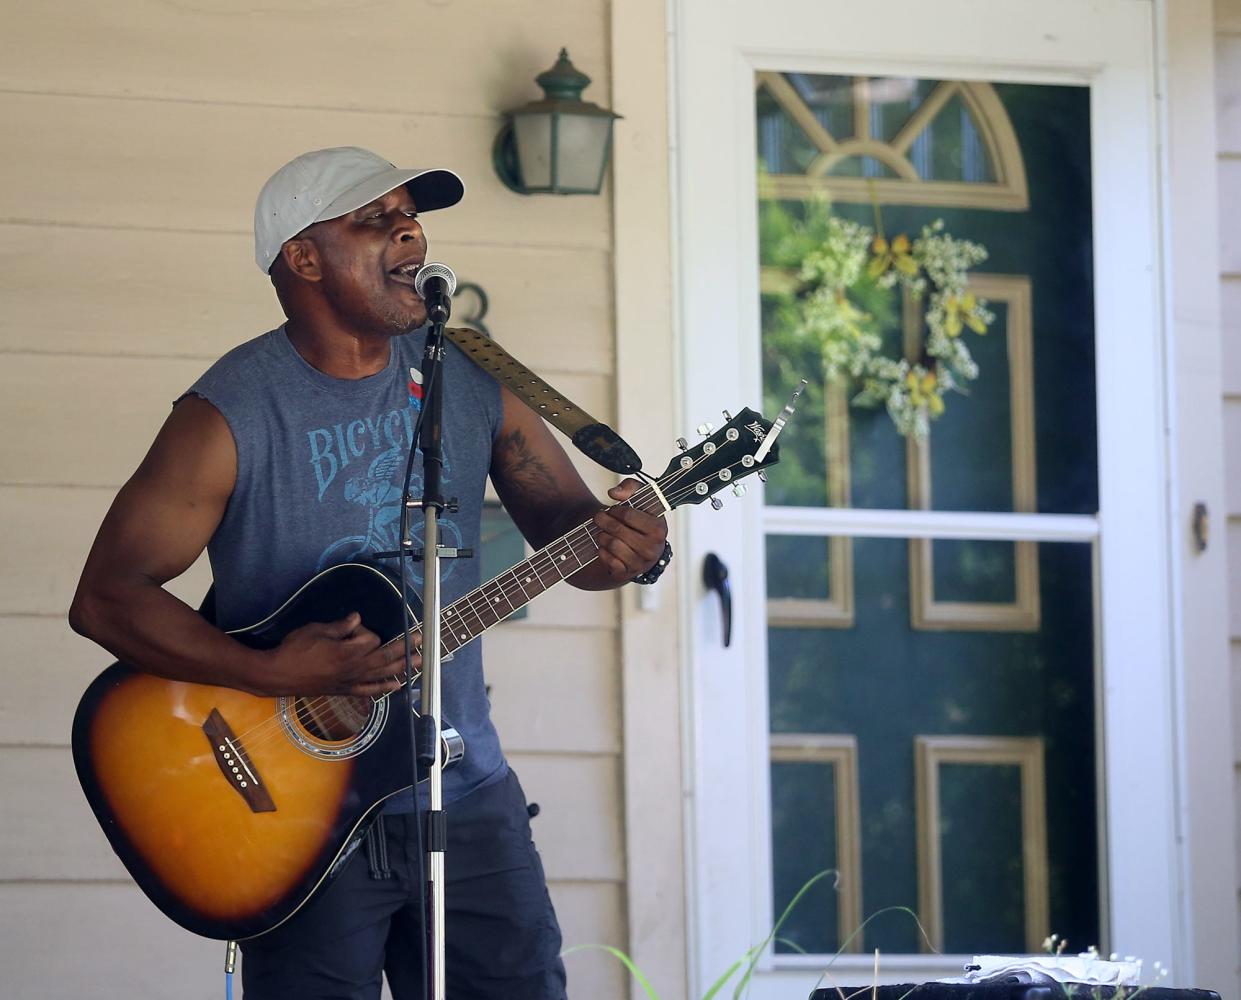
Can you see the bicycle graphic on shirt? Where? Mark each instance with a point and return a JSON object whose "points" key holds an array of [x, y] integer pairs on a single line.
{"points": [[378, 490]]}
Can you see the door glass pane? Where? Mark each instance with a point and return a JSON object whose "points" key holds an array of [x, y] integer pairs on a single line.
{"points": [[802, 789], [941, 740], [974, 571], [926, 694], [798, 567], [1004, 167]]}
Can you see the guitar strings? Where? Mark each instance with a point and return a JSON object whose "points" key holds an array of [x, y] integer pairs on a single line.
{"points": [[255, 737], [475, 600]]}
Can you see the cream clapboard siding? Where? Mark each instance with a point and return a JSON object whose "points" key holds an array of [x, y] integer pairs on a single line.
{"points": [[1228, 127], [138, 134]]}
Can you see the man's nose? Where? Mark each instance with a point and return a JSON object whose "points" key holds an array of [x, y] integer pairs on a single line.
{"points": [[406, 229]]}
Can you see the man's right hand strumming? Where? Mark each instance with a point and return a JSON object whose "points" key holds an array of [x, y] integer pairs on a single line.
{"points": [[340, 657]]}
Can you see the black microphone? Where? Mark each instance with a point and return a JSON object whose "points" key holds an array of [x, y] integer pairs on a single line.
{"points": [[436, 283]]}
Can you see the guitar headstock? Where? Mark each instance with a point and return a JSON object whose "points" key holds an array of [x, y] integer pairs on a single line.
{"points": [[723, 459]]}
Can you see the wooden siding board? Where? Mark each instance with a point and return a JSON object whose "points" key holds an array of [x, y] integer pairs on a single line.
{"points": [[49, 668], [1230, 336], [590, 914], [164, 293], [199, 167], [1234, 578], [75, 940], [1229, 176], [47, 827], [1236, 797], [49, 532], [1236, 705], [452, 59], [536, 673], [1227, 16], [1228, 93], [87, 420], [578, 829], [1232, 458]]}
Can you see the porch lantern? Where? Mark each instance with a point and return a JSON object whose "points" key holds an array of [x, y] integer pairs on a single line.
{"points": [[558, 145]]}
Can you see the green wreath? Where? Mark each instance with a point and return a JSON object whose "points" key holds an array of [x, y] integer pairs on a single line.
{"points": [[845, 291]]}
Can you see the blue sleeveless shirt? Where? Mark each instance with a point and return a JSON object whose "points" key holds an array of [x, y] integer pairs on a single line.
{"points": [[320, 463]]}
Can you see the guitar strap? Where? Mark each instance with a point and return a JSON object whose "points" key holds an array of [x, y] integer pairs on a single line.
{"points": [[592, 437]]}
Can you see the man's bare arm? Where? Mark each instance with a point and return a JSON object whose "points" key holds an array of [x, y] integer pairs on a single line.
{"points": [[158, 525], [546, 497]]}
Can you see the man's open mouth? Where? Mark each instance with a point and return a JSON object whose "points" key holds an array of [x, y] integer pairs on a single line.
{"points": [[405, 273]]}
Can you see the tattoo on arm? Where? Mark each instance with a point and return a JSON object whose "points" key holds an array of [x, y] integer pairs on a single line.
{"points": [[545, 496], [524, 472]]}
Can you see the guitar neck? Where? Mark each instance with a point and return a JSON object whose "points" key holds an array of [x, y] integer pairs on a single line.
{"points": [[468, 617]]}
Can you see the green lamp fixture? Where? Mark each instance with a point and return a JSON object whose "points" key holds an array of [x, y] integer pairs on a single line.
{"points": [[558, 145]]}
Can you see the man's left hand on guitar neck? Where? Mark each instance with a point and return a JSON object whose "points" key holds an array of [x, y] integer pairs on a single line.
{"points": [[630, 540]]}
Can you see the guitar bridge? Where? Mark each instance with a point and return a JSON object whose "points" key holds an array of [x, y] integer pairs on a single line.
{"points": [[236, 767]]}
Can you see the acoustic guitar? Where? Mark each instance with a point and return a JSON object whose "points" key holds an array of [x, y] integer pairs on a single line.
{"points": [[231, 811]]}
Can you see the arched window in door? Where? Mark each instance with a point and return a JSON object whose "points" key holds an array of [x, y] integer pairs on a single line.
{"points": [[897, 141]]}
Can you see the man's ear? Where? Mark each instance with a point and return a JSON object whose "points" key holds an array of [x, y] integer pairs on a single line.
{"points": [[301, 257]]}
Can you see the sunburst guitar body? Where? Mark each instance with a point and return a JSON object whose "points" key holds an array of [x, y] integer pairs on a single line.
{"points": [[230, 810]]}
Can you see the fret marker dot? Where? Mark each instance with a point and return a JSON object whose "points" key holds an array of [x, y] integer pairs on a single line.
{"points": [[527, 579], [462, 636]]}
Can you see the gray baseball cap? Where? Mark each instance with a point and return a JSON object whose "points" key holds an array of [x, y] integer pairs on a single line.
{"points": [[328, 183]]}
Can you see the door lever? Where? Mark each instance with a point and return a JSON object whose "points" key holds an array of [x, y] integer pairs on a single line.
{"points": [[715, 577]]}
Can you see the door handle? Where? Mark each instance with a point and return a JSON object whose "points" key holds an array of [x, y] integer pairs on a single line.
{"points": [[715, 577]]}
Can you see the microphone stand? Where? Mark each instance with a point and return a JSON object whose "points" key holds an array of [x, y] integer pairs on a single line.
{"points": [[432, 505]]}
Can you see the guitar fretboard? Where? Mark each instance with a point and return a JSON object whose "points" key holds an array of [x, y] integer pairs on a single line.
{"points": [[470, 616]]}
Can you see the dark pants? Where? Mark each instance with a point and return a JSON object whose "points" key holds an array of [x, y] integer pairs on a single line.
{"points": [[502, 937]]}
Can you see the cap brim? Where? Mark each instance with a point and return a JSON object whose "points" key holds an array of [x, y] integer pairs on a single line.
{"points": [[430, 189]]}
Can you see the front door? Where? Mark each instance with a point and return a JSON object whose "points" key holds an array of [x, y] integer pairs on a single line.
{"points": [[940, 216]]}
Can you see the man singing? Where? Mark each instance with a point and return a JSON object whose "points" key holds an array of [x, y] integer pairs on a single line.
{"points": [[287, 457]]}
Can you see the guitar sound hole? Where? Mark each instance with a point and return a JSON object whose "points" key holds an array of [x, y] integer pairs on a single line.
{"points": [[333, 718]]}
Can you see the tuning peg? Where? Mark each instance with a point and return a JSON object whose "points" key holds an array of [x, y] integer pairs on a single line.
{"points": [[717, 503], [727, 415], [706, 429], [738, 489], [683, 444], [762, 475]]}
